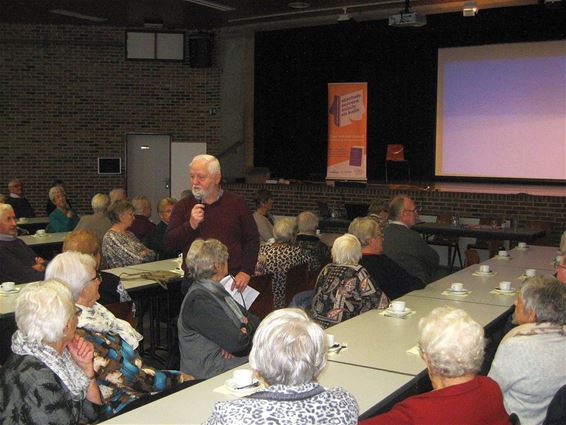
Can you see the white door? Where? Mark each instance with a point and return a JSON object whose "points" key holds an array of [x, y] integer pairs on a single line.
{"points": [[147, 168]]}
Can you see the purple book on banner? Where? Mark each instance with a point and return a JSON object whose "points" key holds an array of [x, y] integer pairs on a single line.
{"points": [[356, 155]]}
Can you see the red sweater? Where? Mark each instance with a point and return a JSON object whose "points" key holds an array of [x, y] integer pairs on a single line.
{"points": [[229, 220], [477, 402]]}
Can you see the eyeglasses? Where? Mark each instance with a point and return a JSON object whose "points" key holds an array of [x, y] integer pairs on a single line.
{"points": [[415, 210], [559, 266], [97, 277], [78, 311]]}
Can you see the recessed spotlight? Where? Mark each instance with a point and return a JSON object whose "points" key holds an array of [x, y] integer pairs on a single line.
{"points": [[299, 5]]}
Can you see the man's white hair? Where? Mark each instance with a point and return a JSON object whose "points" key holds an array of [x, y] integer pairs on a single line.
{"points": [[100, 202], [346, 249], [213, 164]]}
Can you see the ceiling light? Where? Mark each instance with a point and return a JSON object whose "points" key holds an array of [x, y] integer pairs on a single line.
{"points": [[77, 15], [212, 5], [299, 5], [344, 17], [470, 9]]}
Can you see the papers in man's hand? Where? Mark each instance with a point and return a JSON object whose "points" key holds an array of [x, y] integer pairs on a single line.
{"points": [[244, 298]]}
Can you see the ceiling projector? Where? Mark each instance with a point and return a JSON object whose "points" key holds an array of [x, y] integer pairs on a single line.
{"points": [[407, 19]]}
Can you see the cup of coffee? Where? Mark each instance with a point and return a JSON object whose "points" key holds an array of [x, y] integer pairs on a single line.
{"points": [[503, 253], [522, 245], [397, 306], [40, 232], [330, 340], [457, 286], [8, 286], [243, 377], [505, 285], [530, 272], [484, 268]]}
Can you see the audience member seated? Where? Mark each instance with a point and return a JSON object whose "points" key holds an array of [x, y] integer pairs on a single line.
{"points": [[97, 223], [120, 248], [345, 289], [391, 277], [380, 213], [263, 218], [451, 344], [530, 362], [278, 257], [63, 218], [290, 376], [307, 239], [117, 194], [560, 269], [18, 262], [50, 206], [142, 227], [120, 372], [49, 376], [21, 206], [111, 289], [405, 246], [215, 333], [156, 241]]}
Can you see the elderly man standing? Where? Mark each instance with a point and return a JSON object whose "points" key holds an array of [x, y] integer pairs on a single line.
{"points": [[405, 246], [18, 262], [97, 223], [21, 206], [211, 212]]}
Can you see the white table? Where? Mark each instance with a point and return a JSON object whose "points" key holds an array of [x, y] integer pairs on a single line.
{"points": [[8, 302], [48, 239], [32, 221], [194, 405], [380, 342], [534, 257]]}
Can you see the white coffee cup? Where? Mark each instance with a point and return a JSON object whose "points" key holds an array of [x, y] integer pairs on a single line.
{"points": [[8, 286], [530, 272], [330, 340], [505, 285], [484, 268], [397, 306], [522, 245], [243, 377], [40, 232], [503, 253], [457, 286]]}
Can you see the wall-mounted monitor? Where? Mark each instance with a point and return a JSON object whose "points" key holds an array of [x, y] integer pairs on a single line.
{"points": [[109, 165]]}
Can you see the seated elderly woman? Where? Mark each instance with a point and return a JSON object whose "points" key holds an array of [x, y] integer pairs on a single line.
{"points": [[308, 240], [290, 377], [451, 344], [50, 375], [85, 241], [530, 362], [120, 372], [62, 218], [345, 289], [391, 277], [215, 333], [278, 257], [263, 218], [120, 247]]}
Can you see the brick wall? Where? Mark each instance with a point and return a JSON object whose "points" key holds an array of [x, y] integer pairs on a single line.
{"points": [[292, 199], [69, 96]]}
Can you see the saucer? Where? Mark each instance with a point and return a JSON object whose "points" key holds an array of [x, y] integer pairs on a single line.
{"points": [[509, 291], [522, 249], [232, 385], [504, 257], [398, 313], [460, 292], [479, 273], [11, 291]]}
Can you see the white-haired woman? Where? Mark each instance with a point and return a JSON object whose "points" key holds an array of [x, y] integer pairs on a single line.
{"points": [[452, 346], [62, 218], [530, 363], [308, 240], [120, 372], [50, 375], [344, 288], [215, 333], [278, 257], [292, 394]]}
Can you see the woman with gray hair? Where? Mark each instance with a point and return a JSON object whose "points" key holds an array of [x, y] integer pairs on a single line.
{"points": [[280, 256], [290, 377], [50, 375], [308, 240], [530, 362], [344, 288], [120, 372], [452, 345], [215, 332], [62, 218]]}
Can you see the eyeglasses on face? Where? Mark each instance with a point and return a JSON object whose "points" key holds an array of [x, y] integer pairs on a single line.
{"points": [[414, 210]]}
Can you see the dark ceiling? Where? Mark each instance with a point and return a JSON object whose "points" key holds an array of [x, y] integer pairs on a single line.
{"points": [[184, 14]]}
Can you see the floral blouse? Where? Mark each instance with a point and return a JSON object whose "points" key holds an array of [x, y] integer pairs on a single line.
{"points": [[124, 249]]}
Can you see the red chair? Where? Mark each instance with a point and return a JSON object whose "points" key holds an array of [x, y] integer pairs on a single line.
{"points": [[263, 304]]}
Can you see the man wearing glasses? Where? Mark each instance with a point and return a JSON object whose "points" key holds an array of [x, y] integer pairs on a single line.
{"points": [[405, 246], [19, 203]]}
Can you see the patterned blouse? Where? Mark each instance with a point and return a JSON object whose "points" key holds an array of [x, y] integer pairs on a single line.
{"points": [[345, 291], [280, 404], [278, 258], [124, 249]]}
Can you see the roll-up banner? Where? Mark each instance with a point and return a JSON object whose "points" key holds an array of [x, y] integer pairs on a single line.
{"points": [[347, 131]]}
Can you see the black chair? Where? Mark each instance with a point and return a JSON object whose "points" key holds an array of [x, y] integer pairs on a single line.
{"points": [[556, 413], [356, 210], [450, 242]]}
